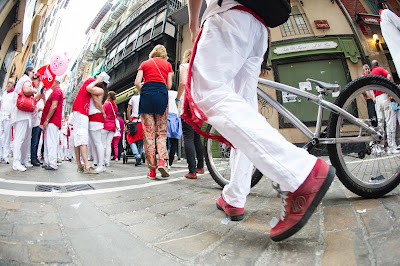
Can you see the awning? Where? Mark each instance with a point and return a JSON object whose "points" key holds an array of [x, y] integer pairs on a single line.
{"points": [[98, 69]]}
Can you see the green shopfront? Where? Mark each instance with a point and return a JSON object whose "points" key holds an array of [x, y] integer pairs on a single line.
{"points": [[333, 59]]}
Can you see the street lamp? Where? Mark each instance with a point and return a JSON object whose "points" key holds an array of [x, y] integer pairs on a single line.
{"points": [[376, 39]]}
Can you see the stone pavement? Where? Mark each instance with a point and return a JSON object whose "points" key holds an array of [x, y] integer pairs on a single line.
{"points": [[130, 220]]}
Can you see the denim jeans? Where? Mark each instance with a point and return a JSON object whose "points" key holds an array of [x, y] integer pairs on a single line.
{"points": [[35, 143], [193, 146], [137, 150]]}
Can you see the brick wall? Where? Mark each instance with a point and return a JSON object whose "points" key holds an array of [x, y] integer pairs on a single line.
{"points": [[349, 5], [395, 6]]}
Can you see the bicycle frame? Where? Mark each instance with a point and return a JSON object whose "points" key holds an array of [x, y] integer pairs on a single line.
{"points": [[322, 103]]}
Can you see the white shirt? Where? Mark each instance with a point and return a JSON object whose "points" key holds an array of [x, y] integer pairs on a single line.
{"points": [[390, 27], [134, 102], [18, 115], [171, 102], [6, 105], [213, 7], [180, 105], [37, 115]]}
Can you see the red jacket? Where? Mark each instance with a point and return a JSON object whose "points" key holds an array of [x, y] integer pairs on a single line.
{"points": [[109, 123]]}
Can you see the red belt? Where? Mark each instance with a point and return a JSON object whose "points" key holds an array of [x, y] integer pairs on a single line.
{"points": [[98, 117]]}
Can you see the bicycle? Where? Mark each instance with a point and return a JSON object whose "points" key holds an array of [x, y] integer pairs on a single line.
{"points": [[351, 136]]}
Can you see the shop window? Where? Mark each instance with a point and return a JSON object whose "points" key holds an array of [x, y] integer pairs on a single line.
{"points": [[296, 24], [170, 29]]}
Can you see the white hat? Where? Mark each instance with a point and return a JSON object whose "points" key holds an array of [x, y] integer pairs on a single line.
{"points": [[105, 76], [59, 79]]}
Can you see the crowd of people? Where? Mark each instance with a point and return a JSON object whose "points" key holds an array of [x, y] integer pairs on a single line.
{"points": [[95, 127]]}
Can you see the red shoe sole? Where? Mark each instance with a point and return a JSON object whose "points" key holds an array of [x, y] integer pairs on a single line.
{"points": [[232, 217], [314, 204], [163, 171]]}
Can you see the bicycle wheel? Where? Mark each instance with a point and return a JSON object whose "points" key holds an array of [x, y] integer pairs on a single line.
{"points": [[369, 169], [217, 157]]}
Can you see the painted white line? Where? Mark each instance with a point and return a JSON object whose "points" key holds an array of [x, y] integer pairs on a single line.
{"points": [[85, 192], [81, 182]]}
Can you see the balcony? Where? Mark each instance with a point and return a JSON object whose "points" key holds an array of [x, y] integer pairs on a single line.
{"points": [[119, 9], [88, 52], [98, 51], [109, 36], [107, 24]]}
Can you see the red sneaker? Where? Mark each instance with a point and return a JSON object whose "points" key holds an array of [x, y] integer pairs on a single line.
{"points": [[298, 206], [161, 167], [191, 175], [236, 214], [152, 174], [200, 171]]}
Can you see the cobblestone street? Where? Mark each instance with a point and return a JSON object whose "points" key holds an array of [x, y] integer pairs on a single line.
{"points": [[128, 219]]}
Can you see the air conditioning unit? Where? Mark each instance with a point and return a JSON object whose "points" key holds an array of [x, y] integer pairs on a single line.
{"points": [[33, 48]]}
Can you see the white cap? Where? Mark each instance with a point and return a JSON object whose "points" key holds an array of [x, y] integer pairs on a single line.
{"points": [[105, 76], [59, 79]]}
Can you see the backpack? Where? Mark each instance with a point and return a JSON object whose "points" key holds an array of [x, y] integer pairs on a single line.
{"points": [[132, 128], [273, 12]]}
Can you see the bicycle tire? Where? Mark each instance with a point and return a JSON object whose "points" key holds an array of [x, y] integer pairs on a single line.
{"points": [[360, 166], [218, 166]]}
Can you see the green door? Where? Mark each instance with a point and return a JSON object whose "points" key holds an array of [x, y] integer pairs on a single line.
{"points": [[295, 74]]}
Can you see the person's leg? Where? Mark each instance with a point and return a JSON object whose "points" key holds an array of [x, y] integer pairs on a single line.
{"points": [[35, 143], [115, 142], [172, 150], [139, 145], [92, 140], [99, 148], [1, 139], [188, 138], [51, 140], [6, 140], [40, 146], [20, 129], [109, 137], [230, 113], [134, 149], [149, 132], [161, 135], [388, 114], [199, 150], [26, 147]]}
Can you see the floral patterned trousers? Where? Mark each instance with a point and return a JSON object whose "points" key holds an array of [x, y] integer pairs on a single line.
{"points": [[155, 135]]}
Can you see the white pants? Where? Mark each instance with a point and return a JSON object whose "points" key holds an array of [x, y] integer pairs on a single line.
{"points": [[39, 152], [81, 129], [22, 142], [71, 150], [107, 137], [395, 121], [384, 115], [5, 139], [390, 27], [51, 141], [225, 75], [64, 146], [98, 147]]}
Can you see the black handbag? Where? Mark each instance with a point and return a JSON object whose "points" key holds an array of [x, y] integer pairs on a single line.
{"points": [[132, 128]]}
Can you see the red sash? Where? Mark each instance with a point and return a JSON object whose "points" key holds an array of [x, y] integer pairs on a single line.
{"points": [[98, 117]]}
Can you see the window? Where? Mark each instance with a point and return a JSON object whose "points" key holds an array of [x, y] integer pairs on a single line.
{"points": [[296, 24], [121, 46], [170, 29]]}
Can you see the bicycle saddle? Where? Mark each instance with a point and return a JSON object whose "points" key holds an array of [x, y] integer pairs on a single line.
{"points": [[324, 85]]}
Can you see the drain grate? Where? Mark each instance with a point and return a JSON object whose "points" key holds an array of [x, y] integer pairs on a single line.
{"points": [[63, 189], [72, 188]]}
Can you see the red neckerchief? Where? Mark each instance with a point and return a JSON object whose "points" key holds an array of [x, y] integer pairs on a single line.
{"points": [[10, 90]]}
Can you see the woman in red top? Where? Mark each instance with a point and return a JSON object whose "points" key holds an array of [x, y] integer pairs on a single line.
{"points": [[157, 75], [111, 110]]}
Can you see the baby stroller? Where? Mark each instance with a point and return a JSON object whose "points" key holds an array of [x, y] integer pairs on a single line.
{"points": [[127, 152]]}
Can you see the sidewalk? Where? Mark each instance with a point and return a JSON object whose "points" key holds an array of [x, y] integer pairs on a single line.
{"points": [[176, 223]]}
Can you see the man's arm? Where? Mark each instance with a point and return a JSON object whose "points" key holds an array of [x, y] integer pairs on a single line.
{"points": [[182, 82], [194, 13], [138, 80], [98, 104], [92, 89], [53, 108], [169, 80], [129, 111]]}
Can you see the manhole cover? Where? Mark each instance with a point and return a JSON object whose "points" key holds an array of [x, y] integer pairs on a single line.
{"points": [[63, 189]]}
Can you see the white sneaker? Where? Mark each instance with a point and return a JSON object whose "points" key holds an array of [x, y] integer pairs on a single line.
{"points": [[19, 167], [116, 159], [169, 167], [393, 152], [377, 150], [101, 169], [28, 165], [107, 164]]}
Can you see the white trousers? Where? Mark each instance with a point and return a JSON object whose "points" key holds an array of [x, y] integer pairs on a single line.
{"points": [[384, 115], [22, 142], [95, 137], [51, 141], [71, 150], [5, 139], [107, 137], [64, 146], [39, 152], [225, 75], [395, 122], [390, 27]]}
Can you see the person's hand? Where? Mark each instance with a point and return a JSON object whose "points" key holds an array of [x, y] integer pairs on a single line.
{"points": [[194, 32], [177, 103], [104, 115], [45, 125], [100, 79]]}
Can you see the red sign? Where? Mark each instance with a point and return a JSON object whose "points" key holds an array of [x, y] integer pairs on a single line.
{"points": [[365, 30], [322, 24], [370, 19]]}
